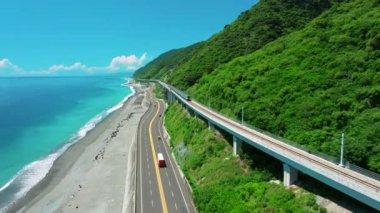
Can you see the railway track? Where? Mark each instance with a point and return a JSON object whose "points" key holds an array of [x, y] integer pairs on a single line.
{"points": [[283, 146]]}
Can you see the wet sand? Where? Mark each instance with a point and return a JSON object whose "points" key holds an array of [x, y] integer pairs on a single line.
{"points": [[97, 174]]}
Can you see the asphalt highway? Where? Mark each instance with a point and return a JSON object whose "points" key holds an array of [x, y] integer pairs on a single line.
{"points": [[158, 189]]}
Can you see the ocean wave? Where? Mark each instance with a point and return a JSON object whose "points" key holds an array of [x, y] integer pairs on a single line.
{"points": [[7, 184], [28, 177], [34, 172], [127, 84]]}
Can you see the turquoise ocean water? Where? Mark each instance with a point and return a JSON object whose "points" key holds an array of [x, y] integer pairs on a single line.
{"points": [[41, 117]]}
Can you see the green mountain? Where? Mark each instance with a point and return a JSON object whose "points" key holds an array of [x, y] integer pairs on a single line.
{"points": [[310, 83], [263, 23], [168, 62]]}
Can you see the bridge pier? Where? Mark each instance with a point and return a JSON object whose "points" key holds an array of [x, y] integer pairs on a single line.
{"points": [[172, 97], [192, 112], [169, 96], [237, 143], [210, 125], [290, 175]]}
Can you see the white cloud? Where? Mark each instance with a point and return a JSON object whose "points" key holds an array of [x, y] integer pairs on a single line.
{"points": [[75, 66], [8, 66], [4, 63], [119, 63], [131, 62]]}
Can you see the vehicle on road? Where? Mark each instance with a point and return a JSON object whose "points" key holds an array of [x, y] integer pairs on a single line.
{"points": [[161, 160]]}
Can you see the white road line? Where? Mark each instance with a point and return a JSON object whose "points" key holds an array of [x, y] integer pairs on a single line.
{"points": [[152, 203], [171, 164], [170, 184], [124, 209], [172, 194], [151, 192], [140, 161], [167, 174], [141, 123], [148, 167], [141, 196], [148, 173], [150, 183], [175, 204]]}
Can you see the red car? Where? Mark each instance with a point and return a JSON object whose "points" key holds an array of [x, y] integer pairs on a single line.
{"points": [[161, 160]]}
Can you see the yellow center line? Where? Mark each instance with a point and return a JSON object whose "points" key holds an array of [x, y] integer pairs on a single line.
{"points": [[159, 182]]}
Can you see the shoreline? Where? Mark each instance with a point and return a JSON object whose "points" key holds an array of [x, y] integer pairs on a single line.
{"points": [[68, 159], [60, 166], [13, 184]]}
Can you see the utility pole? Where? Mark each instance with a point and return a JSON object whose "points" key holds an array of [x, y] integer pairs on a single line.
{"points": [[242, 115], [341, 150]]}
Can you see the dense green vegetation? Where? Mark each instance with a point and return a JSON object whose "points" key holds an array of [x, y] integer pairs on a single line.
{"points": [[167, 62], [158, 92], [309, 82], [222, 182], [312, 85], [263, 23]]}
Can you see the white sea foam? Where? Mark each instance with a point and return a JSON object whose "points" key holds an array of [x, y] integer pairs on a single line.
{"points": [[7, 184], [34, 172], [30, 175], [127, 84], [121, 104]]}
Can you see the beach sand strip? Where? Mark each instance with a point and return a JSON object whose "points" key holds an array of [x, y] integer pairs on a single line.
{"points": [[97, 174]]}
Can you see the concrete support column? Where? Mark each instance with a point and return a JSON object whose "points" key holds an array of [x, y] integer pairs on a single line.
{"points": [[169, 96], [290, 175], [237, 143], [191, 112], [210, 125], [172, 99]]}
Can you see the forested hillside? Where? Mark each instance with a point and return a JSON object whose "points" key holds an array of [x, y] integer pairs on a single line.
{"points": [[263, 23], [309, 82], [168, 62], [222, 182], [312, 85]]}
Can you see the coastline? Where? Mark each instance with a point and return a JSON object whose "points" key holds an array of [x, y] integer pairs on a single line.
{"points": [[61, 165], [79, 159], [34, 171]]}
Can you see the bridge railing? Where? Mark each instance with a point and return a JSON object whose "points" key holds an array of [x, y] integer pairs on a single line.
{"points": [[327, 157], [324, 156], [362, 171]]}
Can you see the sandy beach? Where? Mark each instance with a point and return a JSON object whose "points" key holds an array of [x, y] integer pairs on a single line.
{"points": [[97, 174]]}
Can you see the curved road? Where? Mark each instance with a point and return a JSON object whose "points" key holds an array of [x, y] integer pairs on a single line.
{"points": [[158, 189], [352, 183]]}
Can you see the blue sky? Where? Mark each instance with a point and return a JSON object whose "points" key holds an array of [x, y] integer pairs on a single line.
{"points": [[46, 37]]}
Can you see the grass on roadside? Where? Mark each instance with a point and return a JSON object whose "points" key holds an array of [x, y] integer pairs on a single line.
{"points": [[222, 182]]}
